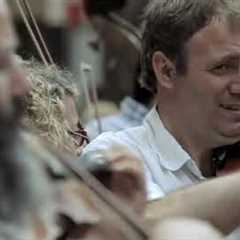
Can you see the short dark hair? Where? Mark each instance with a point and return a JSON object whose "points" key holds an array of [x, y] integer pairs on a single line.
{"points": [[169, 24], [140, 93]]}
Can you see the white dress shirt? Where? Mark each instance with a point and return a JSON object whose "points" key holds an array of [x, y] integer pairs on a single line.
{"points": [[167, 165]]}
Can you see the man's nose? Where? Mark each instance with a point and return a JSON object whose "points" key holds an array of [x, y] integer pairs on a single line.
{"points": [[19, 84]]}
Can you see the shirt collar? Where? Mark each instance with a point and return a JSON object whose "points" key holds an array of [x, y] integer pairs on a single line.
{"points": [[133, 109], [172, 155]]}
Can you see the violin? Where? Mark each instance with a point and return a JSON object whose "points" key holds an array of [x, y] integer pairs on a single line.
{"points": [[227, 159], [87, 198]]}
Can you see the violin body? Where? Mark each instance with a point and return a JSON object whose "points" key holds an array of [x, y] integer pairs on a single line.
{"points": [[230, 160]]}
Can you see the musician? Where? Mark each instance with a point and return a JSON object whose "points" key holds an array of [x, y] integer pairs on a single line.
{"points": [[190, 57], [50, 106]]}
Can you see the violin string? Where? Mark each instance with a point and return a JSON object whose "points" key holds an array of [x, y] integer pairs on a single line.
{"points": [[28, 8], [28, 26]]}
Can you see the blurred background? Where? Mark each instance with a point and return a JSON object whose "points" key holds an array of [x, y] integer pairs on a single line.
{"points": [[81, 31]]}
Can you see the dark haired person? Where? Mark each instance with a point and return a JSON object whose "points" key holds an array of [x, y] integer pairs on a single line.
{"points": [[191, 59]]}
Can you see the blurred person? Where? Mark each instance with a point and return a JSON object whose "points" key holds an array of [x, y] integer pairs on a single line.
{"points": [[50, 107], [23, 199], [84, 46]]}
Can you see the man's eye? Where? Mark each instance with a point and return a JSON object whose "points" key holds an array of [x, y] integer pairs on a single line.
{"points": [[222, 68], [225, 68]]}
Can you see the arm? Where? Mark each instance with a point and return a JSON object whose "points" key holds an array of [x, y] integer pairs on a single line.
{"points": [[216, 201]]}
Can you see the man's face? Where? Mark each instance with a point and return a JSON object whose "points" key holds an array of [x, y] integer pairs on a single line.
{"points": [[12, 82], [209, 93]]}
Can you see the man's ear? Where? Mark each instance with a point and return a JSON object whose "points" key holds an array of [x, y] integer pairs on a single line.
{"points": [[164, 69]]}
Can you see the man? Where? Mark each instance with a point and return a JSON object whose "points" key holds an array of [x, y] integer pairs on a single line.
{"points": [[191, 62]]}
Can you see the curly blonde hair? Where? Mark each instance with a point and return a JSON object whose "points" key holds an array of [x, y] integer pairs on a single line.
{"points": [[45, 109]]}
